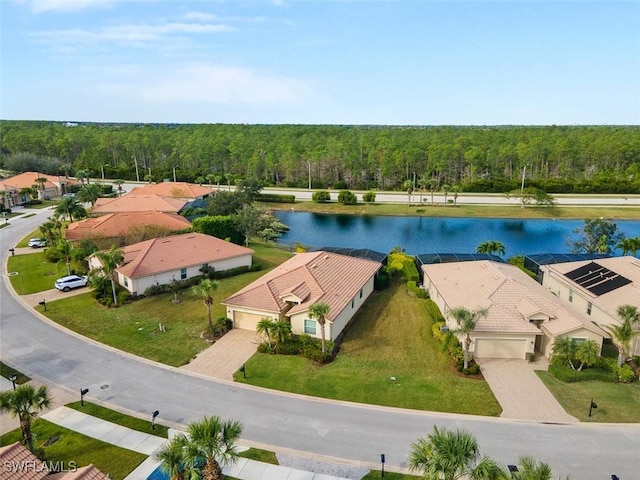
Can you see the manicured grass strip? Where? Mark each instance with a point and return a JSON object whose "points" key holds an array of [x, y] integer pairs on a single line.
{"points": [[35, 273], [25, 241], [390, 337], [617, 402], [134, 327], [44, 204], [376, 474], [29, 215], [6, 371], [74, 449], [260, 455], [118, 418], [463, 210]]}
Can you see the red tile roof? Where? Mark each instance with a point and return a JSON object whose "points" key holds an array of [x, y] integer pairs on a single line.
{"points": [[173, 189], [28, 179], [18, 463], [313, 277], [118, 224], [90, 472], [138, 203]]}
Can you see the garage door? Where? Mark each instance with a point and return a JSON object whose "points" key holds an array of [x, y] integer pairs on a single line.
{"points": [[246, 321], [500, 348]]}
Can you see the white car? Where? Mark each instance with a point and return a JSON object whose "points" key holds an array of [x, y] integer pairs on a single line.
{"points": [[72, 281], [37, 242]]}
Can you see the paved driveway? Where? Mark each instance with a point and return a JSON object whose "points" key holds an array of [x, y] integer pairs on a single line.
{"points": [[520, 392], [226, 356]]}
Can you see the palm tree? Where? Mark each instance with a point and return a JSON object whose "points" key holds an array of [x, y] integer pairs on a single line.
{"points": [[433, 184], [491, 247], [587, 353], [110, 261], [205, 290], [281, 330], [24, 403], [624, 333], [629, 245], [564, 349], [408, 186], [265, 327], [65, 250], [445, 190], [48, 230], [172, 457], [27, 192], [40, 181], [466, 320], [119, 183], [89, 194], [320, 311], [531, 469], [69, 206], [211, 442], [451, 455], [82, 174], [455, 189], [423, 183]]}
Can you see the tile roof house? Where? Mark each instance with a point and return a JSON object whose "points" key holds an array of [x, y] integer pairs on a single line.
{"points": [[138, 203], [522, 316], [159, 260], [286, 292], [120, 225], [18, 463], [596, 288], [183, 190], [54, 187]]}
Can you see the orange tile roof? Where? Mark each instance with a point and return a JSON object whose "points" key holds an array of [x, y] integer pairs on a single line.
{"points": [[23, 465], [178, 251], [138, 203], [90, 472], [118, 224], [28, 179], [314, 277], [173, 189]]}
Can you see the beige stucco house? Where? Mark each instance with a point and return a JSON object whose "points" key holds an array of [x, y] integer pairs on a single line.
{"points": [[178, 257], [522, 316], [342, 282], [52, 187], [597, 288]]}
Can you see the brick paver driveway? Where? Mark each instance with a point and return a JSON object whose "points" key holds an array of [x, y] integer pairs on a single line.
{"points": [[520, 392], [226, 356]]}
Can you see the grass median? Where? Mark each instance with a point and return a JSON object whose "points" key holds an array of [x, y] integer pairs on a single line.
{"points": [[388, 358]]}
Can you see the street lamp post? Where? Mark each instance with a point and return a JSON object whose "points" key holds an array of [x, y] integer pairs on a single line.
{"points": [[174, 173], [102, 169]]}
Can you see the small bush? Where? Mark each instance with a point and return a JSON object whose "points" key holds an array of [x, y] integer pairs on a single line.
{"points": [[625, 374], [434, 311], [276, 198], [437, 333], [369, 197], [264, 348], [321, 196], [292, 346], [340, 185], [416, 290], [382, 279], [347, 197], [474, 369], [566, 374]]}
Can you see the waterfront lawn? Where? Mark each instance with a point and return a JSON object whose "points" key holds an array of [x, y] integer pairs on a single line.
{"points": [[35, 273], [118, 418], [617, 402], [134, 327], [390, 337], [80, 449]]}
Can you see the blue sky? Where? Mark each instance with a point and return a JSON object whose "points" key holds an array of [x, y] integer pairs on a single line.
{"points": [[321, 62]]}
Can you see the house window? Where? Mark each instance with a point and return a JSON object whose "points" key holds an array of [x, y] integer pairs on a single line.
{"points": [[577, 341], [360, 293], [310, 327], [126, 282], [183, 273], [589, 305], [571, 295]]}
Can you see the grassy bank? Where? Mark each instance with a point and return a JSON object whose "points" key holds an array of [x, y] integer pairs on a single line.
{"points": [[390, 337]]}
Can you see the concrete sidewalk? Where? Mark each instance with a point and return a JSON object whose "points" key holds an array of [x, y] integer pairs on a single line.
{"points": [[147, 444]]}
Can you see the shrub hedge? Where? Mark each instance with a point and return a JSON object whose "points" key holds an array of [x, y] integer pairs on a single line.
{"points": [[566, 374], [275, 198], [321, 196]]}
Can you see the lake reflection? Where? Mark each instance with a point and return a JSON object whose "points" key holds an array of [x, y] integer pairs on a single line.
{"points": [[427, 234]]}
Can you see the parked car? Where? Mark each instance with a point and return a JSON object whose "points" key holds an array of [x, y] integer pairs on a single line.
{"points": [[71, 195], [37, 242], [72, 281]]}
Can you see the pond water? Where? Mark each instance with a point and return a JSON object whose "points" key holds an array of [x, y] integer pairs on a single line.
{"points": [[419, 235]]}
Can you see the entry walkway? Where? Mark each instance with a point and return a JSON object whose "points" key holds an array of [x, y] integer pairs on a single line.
{"points": [[520, 392], [244, 469]]}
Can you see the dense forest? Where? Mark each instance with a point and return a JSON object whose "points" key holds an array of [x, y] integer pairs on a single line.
{"points": [[557, 159]]}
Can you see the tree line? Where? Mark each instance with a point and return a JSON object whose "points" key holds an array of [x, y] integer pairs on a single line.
{"points": [[556, 159]]}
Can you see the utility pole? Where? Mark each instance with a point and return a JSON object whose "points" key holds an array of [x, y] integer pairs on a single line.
{"points": [[309, 167]]}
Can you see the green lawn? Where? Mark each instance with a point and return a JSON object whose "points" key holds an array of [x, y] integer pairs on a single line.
{"points": [[492, 211], [6, 371], [617, 402], [134, 327], [35, 273], [118, 418], [77, 448], [391, 337], [376, 474], [259, 455]]}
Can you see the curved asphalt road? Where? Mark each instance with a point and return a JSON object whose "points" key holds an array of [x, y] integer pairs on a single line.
{"points": [[338, 429]]}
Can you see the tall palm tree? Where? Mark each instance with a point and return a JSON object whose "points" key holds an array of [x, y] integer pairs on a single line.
{"points": [[445, 189], [265, 327], [110, 261], [320, 311], [408, 186], [40, 181], [27, 192], [491, 247], [455, 189], [624, 332], [433, 184], [82, 175], [205, 290], [466, 320], [172, 457], [565, 349], [24, 403], [65, 250], [89, 193], [211, 442], [451, 455], [629, 245], [48, 230], [69, 206]]}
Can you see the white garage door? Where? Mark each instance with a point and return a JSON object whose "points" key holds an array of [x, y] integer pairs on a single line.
{"points": [[500, 348], [246, 321]]}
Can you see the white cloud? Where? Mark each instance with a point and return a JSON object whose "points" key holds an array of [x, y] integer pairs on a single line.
{"points": [[199, 16], [41, 6], [213, 84]]}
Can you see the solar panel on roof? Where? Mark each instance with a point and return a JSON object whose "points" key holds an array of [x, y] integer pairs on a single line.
{"points": [[597, 279]]}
